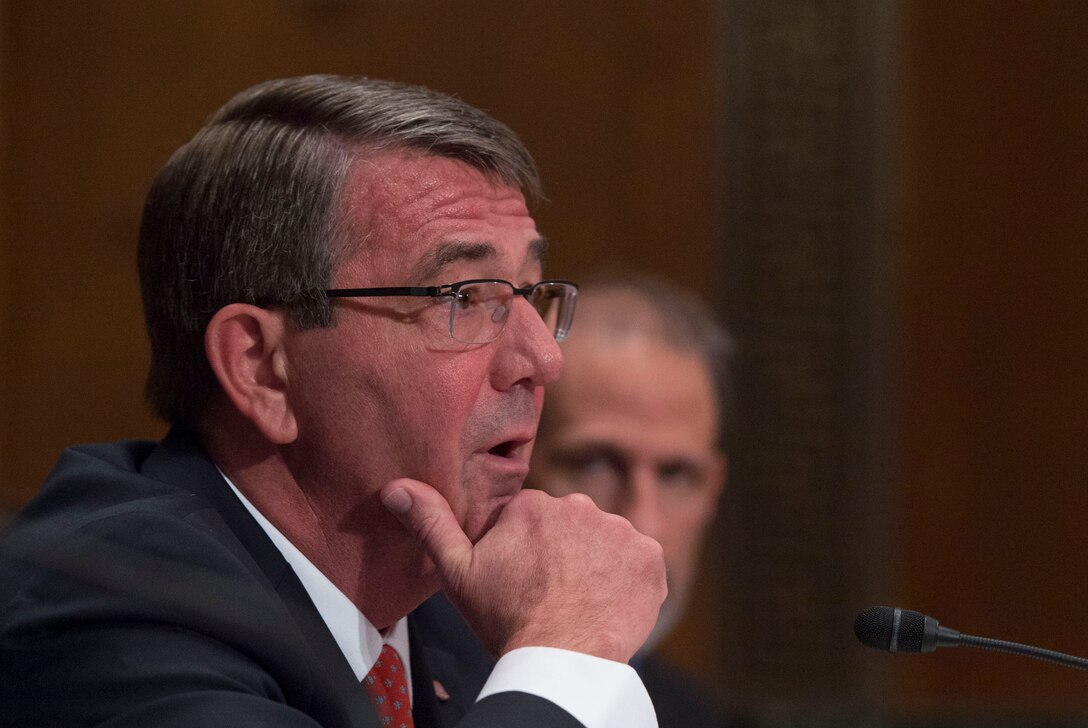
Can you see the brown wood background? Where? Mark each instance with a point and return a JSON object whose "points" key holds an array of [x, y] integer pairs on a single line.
{"points": [[621, 103], [993, 353]]}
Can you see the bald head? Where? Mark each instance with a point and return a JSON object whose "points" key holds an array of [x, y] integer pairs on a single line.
{"points": [[635, 420]]}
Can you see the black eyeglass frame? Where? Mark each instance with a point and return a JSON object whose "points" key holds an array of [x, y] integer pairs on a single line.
{"points": [[448, 290]]}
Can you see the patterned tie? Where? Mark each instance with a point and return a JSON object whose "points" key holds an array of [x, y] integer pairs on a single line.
{"points": [[388, 689]]}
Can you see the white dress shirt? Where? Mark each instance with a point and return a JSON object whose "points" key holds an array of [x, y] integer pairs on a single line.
{"points": [[600, 693]]}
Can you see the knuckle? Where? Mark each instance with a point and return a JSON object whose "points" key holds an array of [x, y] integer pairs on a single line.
{"points": [[654, 554], [579, 500]]}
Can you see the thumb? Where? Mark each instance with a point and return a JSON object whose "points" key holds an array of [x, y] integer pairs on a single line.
{"points": [[427, 516]]}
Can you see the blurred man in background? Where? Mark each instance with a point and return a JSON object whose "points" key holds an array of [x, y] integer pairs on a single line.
{"points": [[635, 422]]}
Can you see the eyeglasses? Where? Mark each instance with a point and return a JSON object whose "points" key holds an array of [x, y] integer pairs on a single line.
{"points": [[479, 308]]}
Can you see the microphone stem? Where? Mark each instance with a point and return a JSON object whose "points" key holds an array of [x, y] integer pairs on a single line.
{"points": [[1016, 648]]}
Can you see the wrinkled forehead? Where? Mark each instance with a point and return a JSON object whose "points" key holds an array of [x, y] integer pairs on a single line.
{"points": [[620, 318], [418, 215], [631, 387]]}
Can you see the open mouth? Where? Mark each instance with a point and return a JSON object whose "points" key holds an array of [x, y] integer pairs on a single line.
{"points": [[505, 449]]}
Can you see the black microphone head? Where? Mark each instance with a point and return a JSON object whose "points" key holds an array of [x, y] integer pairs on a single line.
{"points": [[895, 630], [873, 627]]}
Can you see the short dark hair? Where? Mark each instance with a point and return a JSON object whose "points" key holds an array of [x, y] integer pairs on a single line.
{"points": [[248, 210]]}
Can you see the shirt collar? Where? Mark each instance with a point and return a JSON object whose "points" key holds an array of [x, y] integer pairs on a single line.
{"points": [[359, 640]]}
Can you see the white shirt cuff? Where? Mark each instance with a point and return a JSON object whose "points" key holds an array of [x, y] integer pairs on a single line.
{"points": [[600, 693]]}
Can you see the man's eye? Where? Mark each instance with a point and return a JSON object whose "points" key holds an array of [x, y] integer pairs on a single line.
{"points": [[593, 473], [594, 466], [680, 475], [465, 297]]}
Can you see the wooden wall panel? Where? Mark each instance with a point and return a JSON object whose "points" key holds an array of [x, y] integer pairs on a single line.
{"points": [[994, 398], [806, 245], [5, 268]]}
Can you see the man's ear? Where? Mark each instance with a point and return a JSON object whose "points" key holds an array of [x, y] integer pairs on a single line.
{"points": [[246, 349]]}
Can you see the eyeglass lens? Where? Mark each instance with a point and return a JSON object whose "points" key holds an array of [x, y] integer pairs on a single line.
{"points": [[555, 304], [479, 311]]}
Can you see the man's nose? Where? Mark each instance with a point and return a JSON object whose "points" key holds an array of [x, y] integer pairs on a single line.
{"points": [[641, 506], [527, 349]]}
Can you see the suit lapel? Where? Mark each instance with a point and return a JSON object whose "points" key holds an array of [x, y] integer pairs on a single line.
{"points": [[180, 461], [449, 665], [427, 710]]}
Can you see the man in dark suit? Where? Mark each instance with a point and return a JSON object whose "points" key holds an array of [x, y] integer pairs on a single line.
{"points": [[635, 423], [350, 339]]}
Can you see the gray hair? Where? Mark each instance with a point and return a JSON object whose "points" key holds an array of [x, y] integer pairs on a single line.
{"points": [[248, 211], [616, 305]]}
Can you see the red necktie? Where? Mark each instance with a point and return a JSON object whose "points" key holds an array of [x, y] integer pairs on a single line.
{"points": [[387, 686]]}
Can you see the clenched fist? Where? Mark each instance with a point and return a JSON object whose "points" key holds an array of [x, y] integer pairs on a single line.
{"points": [[551, 572]]}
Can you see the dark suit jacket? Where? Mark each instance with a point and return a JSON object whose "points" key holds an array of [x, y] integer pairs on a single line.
{"points": [[136, 590], [679, 700]]}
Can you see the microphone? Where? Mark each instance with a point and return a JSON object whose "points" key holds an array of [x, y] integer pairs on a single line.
{"points": [[903, 630]]}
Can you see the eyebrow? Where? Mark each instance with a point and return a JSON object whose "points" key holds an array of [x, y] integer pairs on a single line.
{"points": [[537, 250], [444, 254], [621, 455]]}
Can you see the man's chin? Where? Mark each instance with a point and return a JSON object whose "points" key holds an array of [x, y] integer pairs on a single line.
{"points": [[477, 527], [496, 485]]}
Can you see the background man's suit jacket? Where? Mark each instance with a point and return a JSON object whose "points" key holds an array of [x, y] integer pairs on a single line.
{"points": [[679, 699], [136, 590]]}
